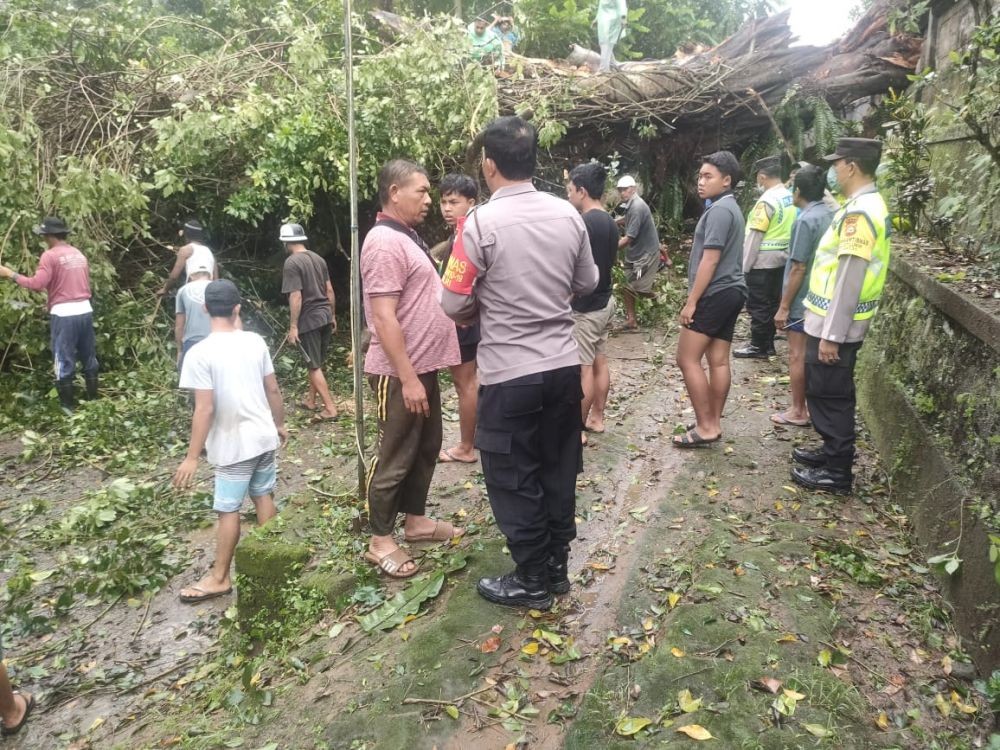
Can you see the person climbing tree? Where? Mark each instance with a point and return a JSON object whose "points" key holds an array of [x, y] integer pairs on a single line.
{"points": [[194, 253]]}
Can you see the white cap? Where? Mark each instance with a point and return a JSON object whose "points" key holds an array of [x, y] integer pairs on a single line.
{"points": [[626, 182], [292, 233], [201, 268]]}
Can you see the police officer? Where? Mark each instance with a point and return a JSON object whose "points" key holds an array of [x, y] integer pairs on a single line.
{"points": [[845, 286], [520, 259], [765, 250]]}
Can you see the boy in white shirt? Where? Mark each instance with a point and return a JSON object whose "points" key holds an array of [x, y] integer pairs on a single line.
{"points": [[239, 419]]}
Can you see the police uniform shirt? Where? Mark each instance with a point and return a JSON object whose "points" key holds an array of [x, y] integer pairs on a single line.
{"points": [[855, 251]]}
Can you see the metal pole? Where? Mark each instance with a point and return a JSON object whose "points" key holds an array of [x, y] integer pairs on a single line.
{"points": [[352, 146]]}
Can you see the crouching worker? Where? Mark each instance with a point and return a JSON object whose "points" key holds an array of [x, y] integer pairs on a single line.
{"points": [[239, 419]]}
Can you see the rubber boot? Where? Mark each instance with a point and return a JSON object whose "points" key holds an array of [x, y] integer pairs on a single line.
{"points": [[64, 388], [91, 381]]}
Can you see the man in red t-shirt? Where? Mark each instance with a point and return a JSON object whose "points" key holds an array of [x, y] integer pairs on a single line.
{"points": [[64, 275]]}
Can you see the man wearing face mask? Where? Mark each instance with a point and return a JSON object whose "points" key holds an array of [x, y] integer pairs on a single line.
{"points": [[845, 285], [765, 251]]}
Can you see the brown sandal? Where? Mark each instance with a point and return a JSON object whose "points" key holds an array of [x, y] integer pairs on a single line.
{"points": [[392, 563], [443, 532]]}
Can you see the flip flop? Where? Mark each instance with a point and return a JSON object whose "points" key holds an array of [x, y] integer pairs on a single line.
{"points": [[443, 532], [29, 706], [304, 405], [392, 563], [321, 418], [782, 419], [691, 439], [596, 432], [206, 595], [446, 457], [625, 329]]}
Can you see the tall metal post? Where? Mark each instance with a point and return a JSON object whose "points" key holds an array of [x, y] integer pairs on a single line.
{"points": [[352, 145]]}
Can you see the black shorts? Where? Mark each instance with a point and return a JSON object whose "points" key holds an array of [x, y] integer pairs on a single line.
{"points": [[468, 352], [715, 316], [313, 345]]}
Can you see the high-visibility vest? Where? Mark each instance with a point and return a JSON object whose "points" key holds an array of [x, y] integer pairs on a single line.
{"points": [[778, 236], [872, 209]]}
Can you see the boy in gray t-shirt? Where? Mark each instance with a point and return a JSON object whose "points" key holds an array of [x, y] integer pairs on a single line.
{"points": [[716, 293], [191, 322]]}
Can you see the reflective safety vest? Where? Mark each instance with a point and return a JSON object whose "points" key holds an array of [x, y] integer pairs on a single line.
{"points": [[870, 208], [778, 236]]}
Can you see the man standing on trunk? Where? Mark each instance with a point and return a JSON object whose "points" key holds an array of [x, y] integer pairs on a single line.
{"points": [[521, 258], [64, 275], [765, 251], [306, 280]]}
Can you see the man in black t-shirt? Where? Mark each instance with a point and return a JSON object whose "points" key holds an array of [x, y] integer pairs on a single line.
{"points": [[305, 278], [592, 313]]}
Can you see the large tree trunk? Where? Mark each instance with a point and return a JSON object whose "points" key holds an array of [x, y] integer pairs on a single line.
{"points": [[726, 87]]}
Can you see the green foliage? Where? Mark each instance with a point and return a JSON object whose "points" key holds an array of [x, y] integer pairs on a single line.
{"points": [[906, 158]]}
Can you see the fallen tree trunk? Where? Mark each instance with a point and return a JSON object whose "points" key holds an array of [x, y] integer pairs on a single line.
{"points": [[720, 87]]}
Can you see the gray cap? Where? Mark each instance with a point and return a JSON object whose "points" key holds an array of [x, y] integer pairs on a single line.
{"points": [[222, 294]]}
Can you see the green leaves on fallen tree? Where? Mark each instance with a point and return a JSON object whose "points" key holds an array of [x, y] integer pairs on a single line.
{"points": [[406, 603]]}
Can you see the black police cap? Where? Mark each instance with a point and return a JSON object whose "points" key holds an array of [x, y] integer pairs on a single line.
{"points": [[770, 163], [857, 148]]}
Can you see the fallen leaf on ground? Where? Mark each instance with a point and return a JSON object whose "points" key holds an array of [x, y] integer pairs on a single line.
{"points": [[882, 721], [677, 652], [490, 645], [452, 711], [767, 684], [817, 730], [695, 732], [628, 726], [687, 702]]}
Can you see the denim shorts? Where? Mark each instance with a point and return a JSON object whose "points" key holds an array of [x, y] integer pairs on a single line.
{"points": [[798, 326], [255, 477]]}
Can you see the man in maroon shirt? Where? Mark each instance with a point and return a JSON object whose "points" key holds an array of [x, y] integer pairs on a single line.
{"points": [[64, 275]]}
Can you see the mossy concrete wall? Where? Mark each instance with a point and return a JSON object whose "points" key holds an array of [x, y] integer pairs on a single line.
{"points": [[929, 387]]}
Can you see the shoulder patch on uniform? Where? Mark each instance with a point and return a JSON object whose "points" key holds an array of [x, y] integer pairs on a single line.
{"points": [[850, 227]]}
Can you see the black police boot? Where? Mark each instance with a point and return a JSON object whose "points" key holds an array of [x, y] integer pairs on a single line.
{"points": [[517, 589], [750, 351], [64, 388], [558, 566], [809, 457], [823, 478], [91, 381]]}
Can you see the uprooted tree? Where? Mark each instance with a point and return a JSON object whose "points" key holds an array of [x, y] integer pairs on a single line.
{"points": [[124, 119]]}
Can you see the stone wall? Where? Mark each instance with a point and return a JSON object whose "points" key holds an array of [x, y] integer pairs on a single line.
{"points": [[929, 387], [959, 165]]}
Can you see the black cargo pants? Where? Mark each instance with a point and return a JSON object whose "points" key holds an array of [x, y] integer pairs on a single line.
{"points": [[831, 400], [528, 436], [763, 299]]}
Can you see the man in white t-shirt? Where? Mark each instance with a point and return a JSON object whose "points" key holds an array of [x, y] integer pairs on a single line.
{"points": [[239, 419]]}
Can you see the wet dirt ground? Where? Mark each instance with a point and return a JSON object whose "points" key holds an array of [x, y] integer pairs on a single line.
{"points": [[704, 571]]}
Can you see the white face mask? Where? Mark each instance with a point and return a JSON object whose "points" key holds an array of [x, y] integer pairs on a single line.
{"points": [[831, 180]]}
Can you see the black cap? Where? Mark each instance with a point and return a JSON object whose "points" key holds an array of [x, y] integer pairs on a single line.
{"points": [[859, 148], [770, 163], [221, 295], [52, 225]]}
